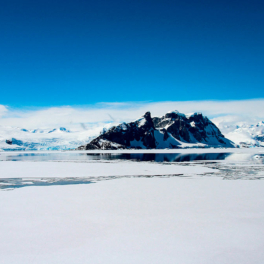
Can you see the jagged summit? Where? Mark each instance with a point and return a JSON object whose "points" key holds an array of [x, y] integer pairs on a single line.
{"points": [[173, 130], [174, 114], [147, 115]]}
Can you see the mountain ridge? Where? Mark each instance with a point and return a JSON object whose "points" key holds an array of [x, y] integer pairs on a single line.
{"points": [[173, 130]]}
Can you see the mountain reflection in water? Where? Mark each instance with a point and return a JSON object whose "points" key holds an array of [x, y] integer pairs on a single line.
{"points": [[153, 157], [160, 157]]}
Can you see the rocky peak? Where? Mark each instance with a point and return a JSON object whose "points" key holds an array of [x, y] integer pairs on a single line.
{"points": [[147, 115], [172, 130], [147, 122], [174, 114]]}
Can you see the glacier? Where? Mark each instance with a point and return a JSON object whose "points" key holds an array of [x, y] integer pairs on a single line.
{"points": [[244, 134], [15, 138]]}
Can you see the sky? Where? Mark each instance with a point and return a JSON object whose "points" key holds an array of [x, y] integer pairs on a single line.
{"points": [[82, 52]]}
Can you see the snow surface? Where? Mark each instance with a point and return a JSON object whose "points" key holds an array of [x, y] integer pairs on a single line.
{"points": [[141, 122], [189, 220], [134, 221], [23, 169], [192, 114]]}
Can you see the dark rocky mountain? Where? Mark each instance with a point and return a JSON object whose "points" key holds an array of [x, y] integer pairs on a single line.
{"points": [[173, 130]]}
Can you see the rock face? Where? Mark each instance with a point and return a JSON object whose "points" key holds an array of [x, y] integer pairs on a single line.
{"points": [[173, 130]]}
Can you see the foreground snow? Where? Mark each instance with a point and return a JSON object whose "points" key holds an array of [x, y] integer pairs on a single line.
{"points": [[17, 169], [194, 218], [157, 220]]}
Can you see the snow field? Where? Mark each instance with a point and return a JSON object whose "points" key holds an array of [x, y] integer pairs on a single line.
{"points": [[158, 220], [20, 169]]}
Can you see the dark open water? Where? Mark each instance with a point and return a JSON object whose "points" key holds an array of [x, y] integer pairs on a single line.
{"points": [[155, 157]]}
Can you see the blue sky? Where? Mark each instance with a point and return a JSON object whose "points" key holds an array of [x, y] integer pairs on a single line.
{"points": [[81, 52]]}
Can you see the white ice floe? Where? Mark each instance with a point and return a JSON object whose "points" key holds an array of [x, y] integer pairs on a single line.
{"points": [[20, 169], [135, 221]]}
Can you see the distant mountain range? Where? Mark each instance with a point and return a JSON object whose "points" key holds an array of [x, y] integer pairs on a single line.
{"points": [[247, 135], [173, 130], [14, 138]]}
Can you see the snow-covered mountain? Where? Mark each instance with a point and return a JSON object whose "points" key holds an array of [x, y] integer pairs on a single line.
{"points": [[173, 130], [15, 138], [247, 135]]}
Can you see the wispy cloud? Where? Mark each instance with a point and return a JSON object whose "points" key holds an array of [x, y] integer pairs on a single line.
{"points": [[118, 112], [3, 110]]}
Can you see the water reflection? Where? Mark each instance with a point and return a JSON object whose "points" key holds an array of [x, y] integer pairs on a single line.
{"points": [[156, 157], [160, 157], [153, 157]]}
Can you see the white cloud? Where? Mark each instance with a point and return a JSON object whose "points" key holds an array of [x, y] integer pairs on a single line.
{"points": [[3, 110], [68, 116]]}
